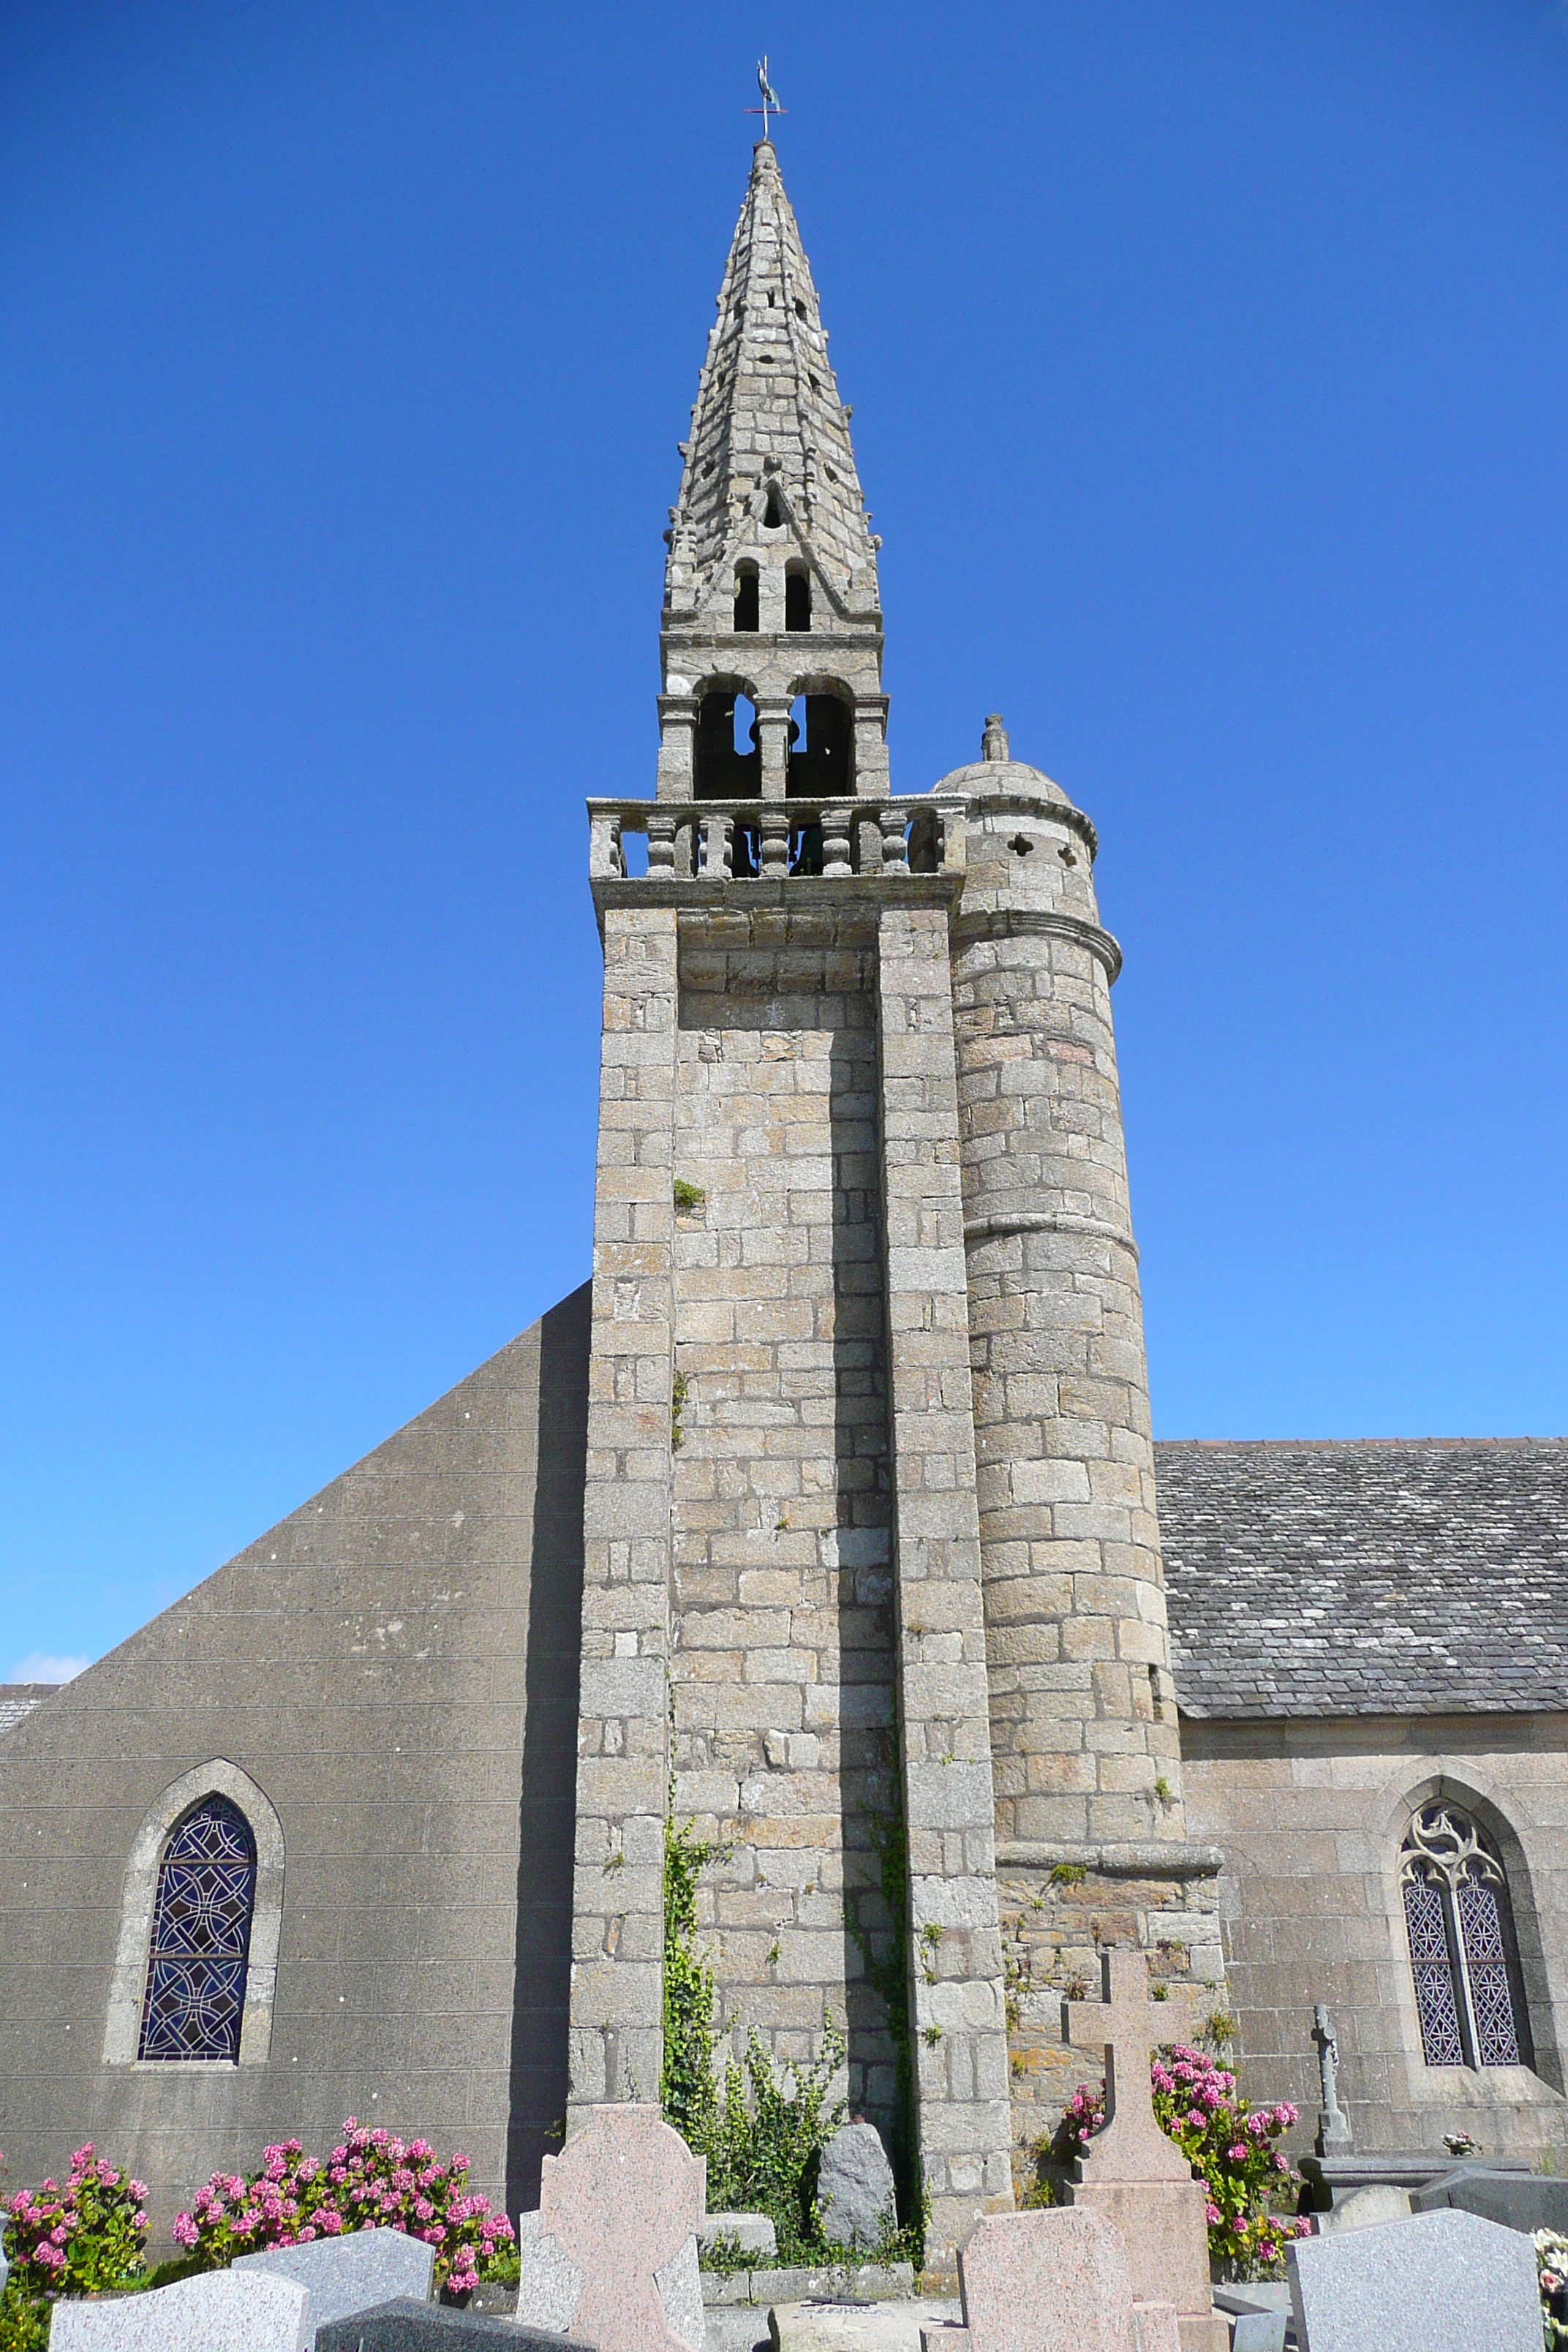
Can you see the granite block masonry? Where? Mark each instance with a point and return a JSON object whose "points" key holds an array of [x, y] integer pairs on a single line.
{"points": [[1443, 2282], [222, 2311], [351, 2273]]}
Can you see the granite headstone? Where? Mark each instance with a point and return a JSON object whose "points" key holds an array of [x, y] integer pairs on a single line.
{"points": [[1520, 2200], [549, 2286], [619, 2209], [352, 2273], [1156, 2327], [221, 2311], [1443, 2282], [749, 2234], [1050, 2281], [1364, 2209], [406, 2325], [855, 2188]]}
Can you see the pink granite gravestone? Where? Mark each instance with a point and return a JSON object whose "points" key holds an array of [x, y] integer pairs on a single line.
{"points": [[1130, 2173], [1156, 2327], [1055, 2281], [622, 2199]]}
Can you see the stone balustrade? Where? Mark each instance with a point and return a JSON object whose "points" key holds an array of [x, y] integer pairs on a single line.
{"points": [[757, 840]]}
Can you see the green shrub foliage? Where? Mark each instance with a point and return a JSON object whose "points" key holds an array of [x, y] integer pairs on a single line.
{"points": [[762, 2133], [75, 2239]]}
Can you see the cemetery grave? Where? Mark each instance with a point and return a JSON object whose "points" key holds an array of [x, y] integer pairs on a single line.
{"points": [[1443, 2282]]}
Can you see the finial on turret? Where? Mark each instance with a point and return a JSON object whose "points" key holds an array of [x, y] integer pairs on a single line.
{"points": [[994, 742]]}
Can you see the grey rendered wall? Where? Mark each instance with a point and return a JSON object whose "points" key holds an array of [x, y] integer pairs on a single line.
{"points": [[395, 1666], [1311, 1816]]}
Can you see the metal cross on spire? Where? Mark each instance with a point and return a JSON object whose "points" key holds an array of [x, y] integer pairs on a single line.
{"points": [[769, 96]]}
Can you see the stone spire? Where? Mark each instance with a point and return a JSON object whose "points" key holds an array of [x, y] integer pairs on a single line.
{"points": [[771, 630], [769, 436]]}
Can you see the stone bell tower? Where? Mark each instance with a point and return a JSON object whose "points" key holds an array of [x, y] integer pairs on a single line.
{"points": [[850, 1610], [771, 590]]}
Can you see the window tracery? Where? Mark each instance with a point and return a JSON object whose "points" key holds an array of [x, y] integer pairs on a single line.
{"points": [[195, 2002], [1462, 1954]]}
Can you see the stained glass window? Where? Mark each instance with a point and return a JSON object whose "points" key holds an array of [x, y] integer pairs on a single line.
{"points": [[201, 1936], [1462, 1952]]}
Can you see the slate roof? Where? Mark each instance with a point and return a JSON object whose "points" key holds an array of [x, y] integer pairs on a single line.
{"points": [[17, 1699], [1380, 1577]]}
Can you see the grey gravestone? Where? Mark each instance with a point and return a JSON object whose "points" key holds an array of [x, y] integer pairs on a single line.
{"points": [[404, 2325], [679, 2284], [218, 2311], [1260, 2331], [1520, 2200], [855, 2186], [1365, 2208], [754, 2232], [549, 2285], [1438, 2283], [353, 2273]]}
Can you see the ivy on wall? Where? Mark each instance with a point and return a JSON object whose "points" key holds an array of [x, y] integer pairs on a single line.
{"points": [[762, 2134]]}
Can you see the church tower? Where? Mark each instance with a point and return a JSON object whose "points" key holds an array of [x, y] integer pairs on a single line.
{"points": [[852, 1610]]}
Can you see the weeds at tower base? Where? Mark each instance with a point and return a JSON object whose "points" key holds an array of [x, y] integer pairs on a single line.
{"points": [[762, 2134]]}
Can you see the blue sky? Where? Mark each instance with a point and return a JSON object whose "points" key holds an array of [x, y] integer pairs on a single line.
{"points": [[1209, 365]]}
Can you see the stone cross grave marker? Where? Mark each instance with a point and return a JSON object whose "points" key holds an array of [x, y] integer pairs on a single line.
{"points": [[1124, 2028], [623, 2202], [1334, 2136], [1130, 2173]]}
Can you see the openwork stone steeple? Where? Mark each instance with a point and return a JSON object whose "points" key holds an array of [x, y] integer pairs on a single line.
{"points": [[771, 590], [768, 417]]}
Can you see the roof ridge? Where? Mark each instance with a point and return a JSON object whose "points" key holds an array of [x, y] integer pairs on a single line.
{"points": [[1338, 1444]]}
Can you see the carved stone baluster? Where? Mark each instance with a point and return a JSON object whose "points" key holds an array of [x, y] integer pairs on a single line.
{"points": [[775, 843], [686, 849], [661, 845], [605, 846], [718, 848], [835, 823], [895, 856]]}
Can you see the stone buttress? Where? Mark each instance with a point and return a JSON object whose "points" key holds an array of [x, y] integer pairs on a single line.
{"points": [[783, 1631]]}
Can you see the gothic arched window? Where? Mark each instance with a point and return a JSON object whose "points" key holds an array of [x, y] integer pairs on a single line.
{"points": [[194, 2002], [1462, 1950]]}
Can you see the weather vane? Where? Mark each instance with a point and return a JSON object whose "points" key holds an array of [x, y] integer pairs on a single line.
{"points": [[770, 98]]}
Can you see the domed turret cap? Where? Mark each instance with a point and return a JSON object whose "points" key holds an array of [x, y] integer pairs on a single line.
{"points": [[997, 775]]}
